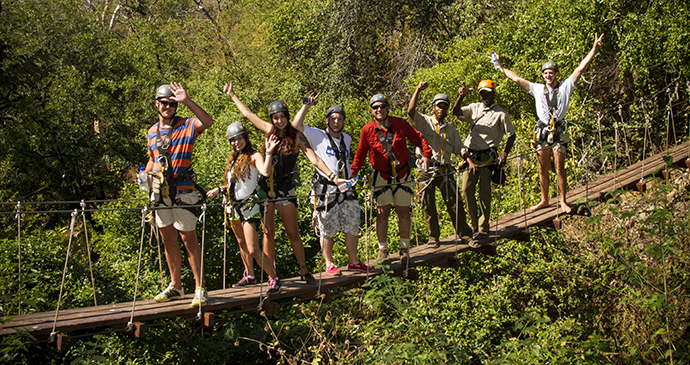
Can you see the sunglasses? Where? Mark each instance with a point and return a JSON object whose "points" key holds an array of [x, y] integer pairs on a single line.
{"points": [[172, 104], [380, 106]]}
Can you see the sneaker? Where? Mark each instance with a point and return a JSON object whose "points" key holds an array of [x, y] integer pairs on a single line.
{"points": [[273, 286], [246, 280], [360, 266], [383, 254], [170, 293], [404, 255], [308, 278], [200, 297], [333, 270]]}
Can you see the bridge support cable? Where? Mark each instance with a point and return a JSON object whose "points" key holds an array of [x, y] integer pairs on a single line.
{"points": [[646, 134], [64, 271], [88, 251], [202, 218], [19, 258], [144, 211], [625, 135], [225, 237]]}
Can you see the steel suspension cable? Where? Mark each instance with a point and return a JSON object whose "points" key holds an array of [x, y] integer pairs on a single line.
{"points": [[64, 271], [88, 252], [19, 258], [136, 280]]}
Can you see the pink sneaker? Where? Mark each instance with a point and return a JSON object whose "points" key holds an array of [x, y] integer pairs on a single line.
{"points": [[359, 267], [333, 270]]}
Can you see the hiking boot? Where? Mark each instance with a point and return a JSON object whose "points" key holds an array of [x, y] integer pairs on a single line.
{"points": [[333, 270], [360, 266], [273, 286], [383, 254], [404, 255], [170, 293], [200, 297], [308, 278], [246, 280]]}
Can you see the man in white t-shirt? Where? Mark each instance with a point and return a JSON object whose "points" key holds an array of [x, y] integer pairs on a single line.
{"points": [[550, 133], [335, 211]]}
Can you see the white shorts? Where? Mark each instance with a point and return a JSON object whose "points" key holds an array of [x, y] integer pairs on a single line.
{"points": [[182, 219], [342, 217]]}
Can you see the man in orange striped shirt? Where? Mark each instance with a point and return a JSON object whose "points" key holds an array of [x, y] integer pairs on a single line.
{"points": [[170, 145]]}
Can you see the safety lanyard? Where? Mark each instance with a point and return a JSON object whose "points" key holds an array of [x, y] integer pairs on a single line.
{"points": [[552, 99], [340, 155], [387, 142], [442, 147]]}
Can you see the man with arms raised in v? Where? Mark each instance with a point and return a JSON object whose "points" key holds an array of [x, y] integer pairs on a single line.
{"points": [[550, 133], [443, 139], [335, 211], [385, 140]]}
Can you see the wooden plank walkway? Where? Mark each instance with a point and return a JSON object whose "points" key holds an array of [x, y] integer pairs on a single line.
{"points": [[40, 325]]}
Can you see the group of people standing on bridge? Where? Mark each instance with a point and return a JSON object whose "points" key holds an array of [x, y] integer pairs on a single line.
{"points": [[259, 183]]}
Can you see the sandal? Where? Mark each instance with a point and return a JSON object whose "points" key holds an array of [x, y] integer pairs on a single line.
{"points": [[434, 244], [474, 244]]}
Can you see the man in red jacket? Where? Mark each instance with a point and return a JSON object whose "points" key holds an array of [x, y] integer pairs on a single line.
{"points": [[385, 139]]}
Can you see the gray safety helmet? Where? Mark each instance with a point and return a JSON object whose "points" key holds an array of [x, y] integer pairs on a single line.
{"points": [[235, 129], [377, 98], [549, 66], [163, 91], [335, 109], [441, 98], [277, 106]]}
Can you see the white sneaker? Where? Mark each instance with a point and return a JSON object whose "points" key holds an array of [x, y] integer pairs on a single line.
{"points": [[200, 297], [170, 293]]}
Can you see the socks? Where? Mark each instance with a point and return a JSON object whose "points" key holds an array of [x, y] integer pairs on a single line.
{"points": [[404, 243], [383, 245]]}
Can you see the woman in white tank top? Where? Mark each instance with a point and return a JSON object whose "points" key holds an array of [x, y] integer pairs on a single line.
{"points": [[240, 183]]}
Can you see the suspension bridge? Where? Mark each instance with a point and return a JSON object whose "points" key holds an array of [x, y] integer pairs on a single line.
{"points": [[129, 317]]}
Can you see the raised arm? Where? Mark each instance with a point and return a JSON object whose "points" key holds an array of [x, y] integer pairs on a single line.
{"points": [[524, 84], [298, 122], [412, 106], [180, 95], [264, 164], [316, 160], [253, 118], [585, 61], [457, 107]]}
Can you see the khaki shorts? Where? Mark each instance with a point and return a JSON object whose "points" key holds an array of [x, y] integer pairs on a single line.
{"points": [[559, 146], [182, 219], [401, 198]]}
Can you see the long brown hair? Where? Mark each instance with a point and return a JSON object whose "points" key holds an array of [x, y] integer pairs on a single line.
{"points": [[242, 167], [287, 142]]}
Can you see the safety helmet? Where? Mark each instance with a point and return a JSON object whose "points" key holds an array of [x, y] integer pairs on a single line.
{"points": [[235, 129], [163, 91], [277, 106], [549, 66], [440, 98], [335, 109], [377, 98], [486, 85]]}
